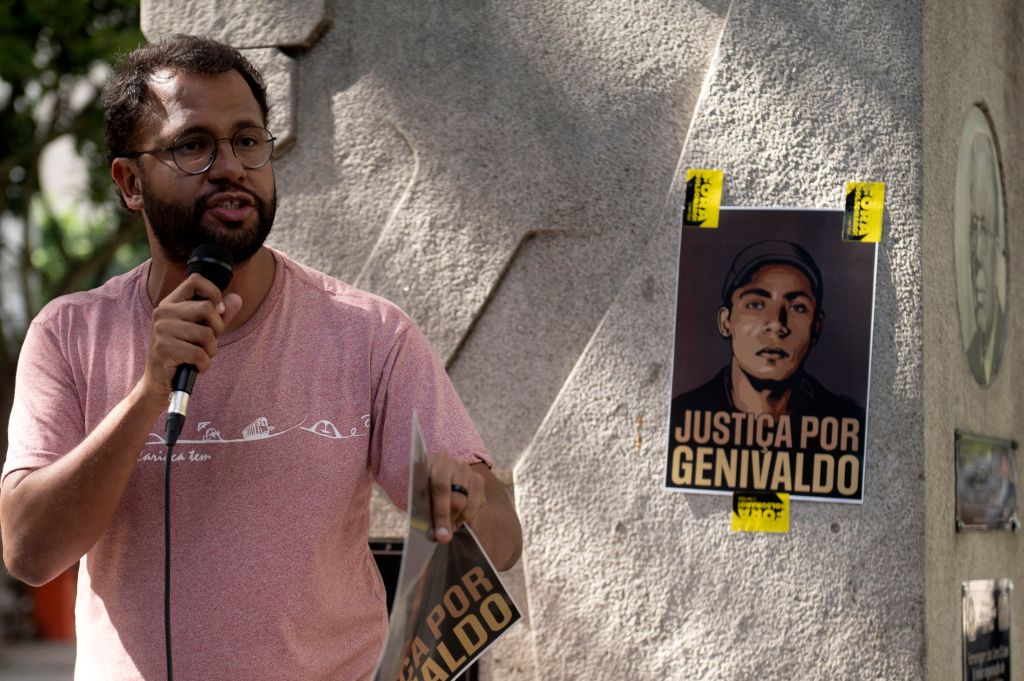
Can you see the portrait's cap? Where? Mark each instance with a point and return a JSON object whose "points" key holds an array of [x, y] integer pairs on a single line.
{"points": [[762, 253]]}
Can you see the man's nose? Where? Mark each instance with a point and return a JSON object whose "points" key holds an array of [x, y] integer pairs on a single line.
{"points": [[778, 321], [225, 164]]}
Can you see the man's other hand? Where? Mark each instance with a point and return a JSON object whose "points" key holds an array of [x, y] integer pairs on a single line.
{"points": [[457, 493]]}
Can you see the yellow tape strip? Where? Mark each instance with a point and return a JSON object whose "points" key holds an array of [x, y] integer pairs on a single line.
{"points": [[865, 203], [703, 198], [760, 512]]}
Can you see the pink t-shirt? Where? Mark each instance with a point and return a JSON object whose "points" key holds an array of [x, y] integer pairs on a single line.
{"points": [[304, 407]]}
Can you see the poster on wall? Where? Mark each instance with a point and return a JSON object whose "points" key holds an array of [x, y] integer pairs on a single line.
{"points": [[771, 363], [986, 628], [450, 604]]}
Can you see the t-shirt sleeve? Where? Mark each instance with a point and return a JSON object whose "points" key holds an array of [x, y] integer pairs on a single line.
{"points": [[46, 417], [413, 380]]}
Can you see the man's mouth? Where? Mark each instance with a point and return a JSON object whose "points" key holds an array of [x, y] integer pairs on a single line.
{"points": [[772, 353], [230, 206]]}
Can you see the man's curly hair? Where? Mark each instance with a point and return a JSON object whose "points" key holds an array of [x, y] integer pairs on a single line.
{"points": [[127, 94]]}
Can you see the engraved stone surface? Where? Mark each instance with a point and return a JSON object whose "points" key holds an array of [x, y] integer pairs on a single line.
{"points": [[460, 131], [800, 98], [279, 73], [267, 23]]}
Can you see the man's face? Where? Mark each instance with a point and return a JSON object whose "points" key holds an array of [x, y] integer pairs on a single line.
{"points": [[773, 322], [228, 205], [984, 248]]}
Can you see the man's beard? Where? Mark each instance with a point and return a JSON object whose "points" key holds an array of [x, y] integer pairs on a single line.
{"points": [[179, 229]]}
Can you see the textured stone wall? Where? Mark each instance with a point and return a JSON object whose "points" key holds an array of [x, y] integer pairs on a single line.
{"points": [[974, 55], [508, 173], [799, 98]]}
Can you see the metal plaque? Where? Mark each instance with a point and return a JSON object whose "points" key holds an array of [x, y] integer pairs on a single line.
{"points": [[986, 483], [986, 620]]}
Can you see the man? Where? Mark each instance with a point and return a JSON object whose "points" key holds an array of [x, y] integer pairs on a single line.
{"points": [[986, 239], [772, 315], [306, 396]]}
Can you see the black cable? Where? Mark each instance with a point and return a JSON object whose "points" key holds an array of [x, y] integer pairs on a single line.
{"points": [[167, 559], [217, 265]]}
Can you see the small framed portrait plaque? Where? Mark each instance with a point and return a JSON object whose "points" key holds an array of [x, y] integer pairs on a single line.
{"points": [[986, 620], [986, 483]]}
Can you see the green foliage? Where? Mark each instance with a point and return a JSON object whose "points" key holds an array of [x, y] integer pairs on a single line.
{"points": [[71, 237], [52, 57]]}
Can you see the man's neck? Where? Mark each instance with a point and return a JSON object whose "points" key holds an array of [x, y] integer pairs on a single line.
{"points": [[758, 397], [252, 281]]}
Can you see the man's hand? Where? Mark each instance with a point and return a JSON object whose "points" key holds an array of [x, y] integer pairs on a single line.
{"points": [[469, 493], [185, 331], [456, 495]]}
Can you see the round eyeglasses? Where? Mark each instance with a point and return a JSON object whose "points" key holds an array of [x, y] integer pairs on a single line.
{"points": [[195, 152]]}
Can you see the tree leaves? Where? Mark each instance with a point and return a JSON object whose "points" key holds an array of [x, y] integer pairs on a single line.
{"points": [[52, 54], [51, 57]]}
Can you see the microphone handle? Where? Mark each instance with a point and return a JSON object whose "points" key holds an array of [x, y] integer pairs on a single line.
{"points": [[184, 378], [181, 387]]}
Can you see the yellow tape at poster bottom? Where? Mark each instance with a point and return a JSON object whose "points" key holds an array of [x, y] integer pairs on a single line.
{"points": [[760, 512], [703, 198], [865, 203]]}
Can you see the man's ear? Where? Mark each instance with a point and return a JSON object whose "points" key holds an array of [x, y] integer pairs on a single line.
{"points": [[129, 182], [724, 323], [819, 324]]}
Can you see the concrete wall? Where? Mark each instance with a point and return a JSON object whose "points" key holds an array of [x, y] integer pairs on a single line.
{"points": [[508, 173], [973, 54]]}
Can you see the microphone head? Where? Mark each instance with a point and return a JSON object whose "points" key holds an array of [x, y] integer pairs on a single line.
{"points": [[212, 262]]}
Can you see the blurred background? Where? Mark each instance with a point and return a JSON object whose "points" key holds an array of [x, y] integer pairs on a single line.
{"points": [[61, 230]]}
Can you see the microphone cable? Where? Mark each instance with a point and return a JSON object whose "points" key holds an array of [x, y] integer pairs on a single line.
{"points": [[217, 265], [167, 559]]}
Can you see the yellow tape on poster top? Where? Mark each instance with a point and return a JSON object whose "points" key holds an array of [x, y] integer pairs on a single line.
{"points": [[865, 203], [703, 198], [760, 512]]}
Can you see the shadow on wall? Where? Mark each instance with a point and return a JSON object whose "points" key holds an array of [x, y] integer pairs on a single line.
{"points": [[457, 136]]}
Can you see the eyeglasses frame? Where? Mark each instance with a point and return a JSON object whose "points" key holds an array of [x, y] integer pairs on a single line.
{"points": [[213, 155]]}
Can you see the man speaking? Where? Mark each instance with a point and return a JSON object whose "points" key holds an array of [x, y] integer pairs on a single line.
{"points": [[306, 396]]}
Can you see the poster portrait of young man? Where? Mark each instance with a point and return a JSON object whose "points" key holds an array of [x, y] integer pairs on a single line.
{"points": [[772, 356], [772, 315]]}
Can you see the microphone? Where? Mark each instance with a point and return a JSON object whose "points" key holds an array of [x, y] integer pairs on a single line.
{"points": [[216, 264]]}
